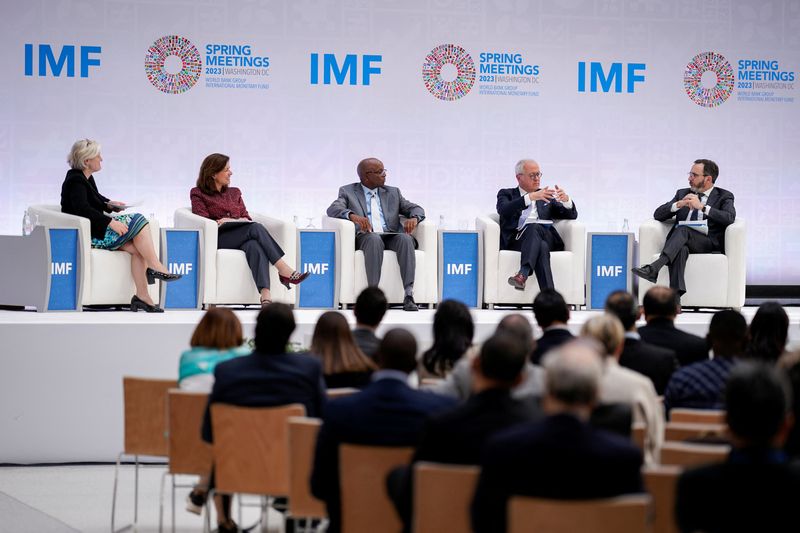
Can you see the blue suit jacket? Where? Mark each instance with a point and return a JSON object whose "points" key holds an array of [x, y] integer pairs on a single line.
{"points": [[511, 204], [721, 215], [259, 380], [386, 413], [560, 457]]}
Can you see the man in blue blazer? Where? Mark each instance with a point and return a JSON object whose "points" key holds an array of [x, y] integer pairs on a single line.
{"points": [[375, 208], [700, 202], [386, 413], [526, 214]]}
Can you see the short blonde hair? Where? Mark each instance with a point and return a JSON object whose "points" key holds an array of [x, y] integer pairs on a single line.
{"points": [[82, 150], [605, 329]]}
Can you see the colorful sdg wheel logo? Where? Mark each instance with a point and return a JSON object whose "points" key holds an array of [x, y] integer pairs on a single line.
{"points": [[450, 57], [719, 79], [155, 64]]}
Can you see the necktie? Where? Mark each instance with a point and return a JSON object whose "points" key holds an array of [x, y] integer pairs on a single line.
{"points": [[696, 212], [375, 212]]}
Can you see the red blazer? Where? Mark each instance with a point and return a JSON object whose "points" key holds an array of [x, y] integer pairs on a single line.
{"points": [[225, 204]]}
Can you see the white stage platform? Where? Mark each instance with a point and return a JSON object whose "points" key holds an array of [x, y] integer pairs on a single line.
{"points": [[61, 373]]}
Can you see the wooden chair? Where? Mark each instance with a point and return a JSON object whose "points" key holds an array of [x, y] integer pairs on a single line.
{"points": [[189, 454], [687, 454], [442, 497], [145, 403], [340, 392], [302, 440], [638, 434], [366, 507], [681, 431], [251, 450], [661, 483], [697, 416], [625, 514]]}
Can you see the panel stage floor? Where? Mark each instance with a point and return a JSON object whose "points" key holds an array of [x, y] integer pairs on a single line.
{"points": [[61, 373]]}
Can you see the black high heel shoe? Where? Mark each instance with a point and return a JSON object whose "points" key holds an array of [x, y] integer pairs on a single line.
{"points": [[163, 276], [295, 279], [137, 303]]}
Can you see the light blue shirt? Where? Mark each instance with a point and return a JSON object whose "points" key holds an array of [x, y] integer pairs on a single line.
{"points": [[368, 195]]}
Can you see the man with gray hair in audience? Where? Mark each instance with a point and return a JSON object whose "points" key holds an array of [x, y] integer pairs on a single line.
{"points": [[561, 457]]}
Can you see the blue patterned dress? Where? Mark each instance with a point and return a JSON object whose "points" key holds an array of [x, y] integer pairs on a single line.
{"points": [[113, 240]]}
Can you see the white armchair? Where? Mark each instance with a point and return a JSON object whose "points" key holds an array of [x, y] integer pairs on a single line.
{"points": [[569, 266], [105, 276], [353, 273], [226, 276], [712, 280]]}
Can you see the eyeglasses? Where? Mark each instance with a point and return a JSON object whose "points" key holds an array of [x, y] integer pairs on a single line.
{"points": [[381, 172], [696, 175], [534, 175]]}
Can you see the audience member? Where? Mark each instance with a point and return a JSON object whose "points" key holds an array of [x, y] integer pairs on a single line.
{"points": [[562, 456], [457, 437], [343, 363], [458, 383], [792, 446], [655, 362], [755, 489], [622, 385], [453, 330], [266, 378], [370, 307], [701, 385], [661, 306], [768, 333], [552, 314], [386, 413]]}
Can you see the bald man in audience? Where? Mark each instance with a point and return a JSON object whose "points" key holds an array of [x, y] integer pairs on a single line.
{"points": [[755, 489], [661, 306], [562, 456]]}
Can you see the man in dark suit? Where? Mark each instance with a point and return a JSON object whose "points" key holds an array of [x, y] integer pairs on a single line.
{"points": [[375, 209], [526, 214], [653, 361], [661, 306], [709, 207], [370, 307], [386, 413], [562, 456], [268, 377], [552, 314], [457, 436], [755, 489]]}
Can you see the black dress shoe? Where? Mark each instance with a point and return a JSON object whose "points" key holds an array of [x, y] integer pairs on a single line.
{"points": [[409, 304], [646, 272], [152, 275], [137, 303]]}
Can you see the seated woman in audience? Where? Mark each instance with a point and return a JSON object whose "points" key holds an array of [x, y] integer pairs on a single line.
{"points": [[768, 332], [343, 362], [213, 198], [129, 233], [217, 338], [453, 330]]}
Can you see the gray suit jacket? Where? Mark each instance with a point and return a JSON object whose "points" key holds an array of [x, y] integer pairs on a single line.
{"points": [[351, 200]]}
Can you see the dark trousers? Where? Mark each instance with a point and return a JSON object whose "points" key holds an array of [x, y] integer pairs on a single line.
{"points": [[681, 242], [373, 245], [258, 246], [534, 242]]}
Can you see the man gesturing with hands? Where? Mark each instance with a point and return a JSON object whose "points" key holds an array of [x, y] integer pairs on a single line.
{"points": [[526, 214], [375, 209]]}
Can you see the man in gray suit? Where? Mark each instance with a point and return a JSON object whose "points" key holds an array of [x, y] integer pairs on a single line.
{"points": [[375, 209]]}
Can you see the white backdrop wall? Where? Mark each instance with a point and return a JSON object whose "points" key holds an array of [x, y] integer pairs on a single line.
{"points": [[294, 142]]}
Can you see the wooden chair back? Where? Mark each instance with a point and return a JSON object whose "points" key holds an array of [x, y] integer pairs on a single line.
{"points": [[638, 433], [681, 431], [661, 483], [442, 497], [340, 392], [302, 441], [687, 454], [146, 415], [625, 514], [188, 452], [251, 448], [366, 507], [697, 416]]}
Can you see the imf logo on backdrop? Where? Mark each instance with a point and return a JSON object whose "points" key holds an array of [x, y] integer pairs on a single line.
{"points": [[60, 268], [344, 70], [47, 58], [173, 64], [448, 72], [180, 268], [610, 78], [317, 268], [459, 269], [708, 79]]}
